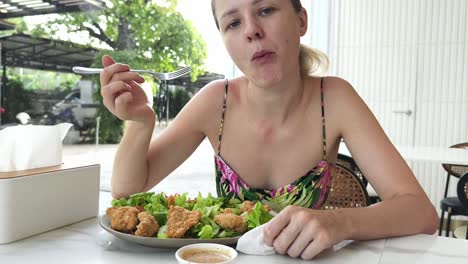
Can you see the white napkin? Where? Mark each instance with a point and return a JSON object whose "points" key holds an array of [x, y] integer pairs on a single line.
{"points": [[252, 243], [30, 146]]}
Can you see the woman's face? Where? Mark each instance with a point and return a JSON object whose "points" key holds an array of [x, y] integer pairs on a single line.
{"points": [[262, 37]]}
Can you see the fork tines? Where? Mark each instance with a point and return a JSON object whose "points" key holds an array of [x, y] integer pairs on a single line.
{"points": [[180, 72]]}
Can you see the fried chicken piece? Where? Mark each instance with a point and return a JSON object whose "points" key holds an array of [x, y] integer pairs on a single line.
{"points": [[231, 221], [248, 206], [123, 219], [148, 225], [171, 199], [180, 220], [227, 211], [140, 208]]}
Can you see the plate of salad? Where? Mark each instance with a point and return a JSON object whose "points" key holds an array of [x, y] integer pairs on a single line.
{"points": [[159, 220]]}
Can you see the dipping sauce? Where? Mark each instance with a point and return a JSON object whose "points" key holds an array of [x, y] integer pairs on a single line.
{"points": [[206, 256]]}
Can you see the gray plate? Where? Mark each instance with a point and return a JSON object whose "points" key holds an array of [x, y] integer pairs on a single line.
{"points": [[162, 243]]}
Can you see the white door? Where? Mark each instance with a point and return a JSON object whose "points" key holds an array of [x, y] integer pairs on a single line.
{"points": [[442, 82], [376, 51], [409, 62]]}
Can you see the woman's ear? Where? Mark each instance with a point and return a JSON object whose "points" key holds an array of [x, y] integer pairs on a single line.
{"points": [[303, 21]]}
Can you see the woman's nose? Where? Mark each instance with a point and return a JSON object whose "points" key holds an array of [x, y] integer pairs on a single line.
{"points": [[253, 30]]}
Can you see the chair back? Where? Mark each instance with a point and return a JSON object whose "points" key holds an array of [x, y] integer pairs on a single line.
{"points": [[349, 163], [462, 190], [456, 170], [347, 190]]}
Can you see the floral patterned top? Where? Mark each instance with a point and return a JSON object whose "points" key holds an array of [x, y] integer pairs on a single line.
{"points": [[311, 190]]}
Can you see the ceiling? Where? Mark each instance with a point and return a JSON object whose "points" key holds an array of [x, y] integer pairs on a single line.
{"points": [[21, 50], [21, 8]]}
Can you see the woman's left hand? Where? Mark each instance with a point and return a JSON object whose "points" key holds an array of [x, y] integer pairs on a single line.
{"points": [[304, 232]]}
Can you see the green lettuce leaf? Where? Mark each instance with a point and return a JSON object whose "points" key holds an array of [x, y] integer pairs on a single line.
{"points": [[162, 232], [180, 200], [159, 212], [258, 216], [228, 233], [206, 232]]}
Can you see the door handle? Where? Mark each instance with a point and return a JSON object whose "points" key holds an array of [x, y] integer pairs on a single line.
{"points": [[406, 112]]}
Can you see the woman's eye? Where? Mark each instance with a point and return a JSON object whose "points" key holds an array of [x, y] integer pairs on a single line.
{"points": [[233, 24], [265, 11]]}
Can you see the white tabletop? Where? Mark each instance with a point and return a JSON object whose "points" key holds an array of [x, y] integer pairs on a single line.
{"points": [[435, 154], [86, 242]]}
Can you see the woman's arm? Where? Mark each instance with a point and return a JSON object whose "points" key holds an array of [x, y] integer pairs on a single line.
{"points": [[140, 163], [405, 208], [130, 167]]}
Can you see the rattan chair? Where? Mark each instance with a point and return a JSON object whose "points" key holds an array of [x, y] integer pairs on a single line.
{"points": [[452, 205], [462, 193], [349, 163], [347, 190]]}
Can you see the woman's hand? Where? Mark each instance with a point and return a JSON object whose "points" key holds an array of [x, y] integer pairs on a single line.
{"points": [[304, 232], [122, 93]]}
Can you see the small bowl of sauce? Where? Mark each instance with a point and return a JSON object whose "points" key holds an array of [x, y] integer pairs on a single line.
{"points": [[205, 253]]}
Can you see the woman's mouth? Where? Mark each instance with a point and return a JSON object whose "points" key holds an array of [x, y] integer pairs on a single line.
{"points": [[263, 56]]}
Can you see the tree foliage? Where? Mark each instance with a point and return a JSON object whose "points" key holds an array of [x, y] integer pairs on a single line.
{"points": [[146, 34], [143, 33]]}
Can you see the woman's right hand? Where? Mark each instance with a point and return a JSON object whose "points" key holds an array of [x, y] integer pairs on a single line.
{"points": [[122, 94]]}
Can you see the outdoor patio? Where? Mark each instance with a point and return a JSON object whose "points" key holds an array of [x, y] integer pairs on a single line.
{"points": [[198, 169]]}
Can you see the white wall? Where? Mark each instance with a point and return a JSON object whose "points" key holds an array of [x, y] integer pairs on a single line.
{"points": [[319, 24], [405, 55]]}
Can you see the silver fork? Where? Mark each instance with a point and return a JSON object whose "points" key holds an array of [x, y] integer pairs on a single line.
{"points": [[163, 76]]}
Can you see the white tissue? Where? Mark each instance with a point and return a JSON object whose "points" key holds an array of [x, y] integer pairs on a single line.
{"points": [[30, 146], [252, 243]]}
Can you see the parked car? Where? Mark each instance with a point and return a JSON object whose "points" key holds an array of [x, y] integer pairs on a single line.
{"points": [[73, 109]]}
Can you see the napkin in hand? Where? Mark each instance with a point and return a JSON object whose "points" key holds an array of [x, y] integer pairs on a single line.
{"points": [[29, 146], [252, 243]]}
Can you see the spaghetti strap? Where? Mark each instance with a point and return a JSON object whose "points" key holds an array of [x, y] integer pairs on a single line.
{"points": [[316, 181], [221, 126], [324, 136]]}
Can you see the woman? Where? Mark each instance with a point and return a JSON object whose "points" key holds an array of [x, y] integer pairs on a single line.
{"points": [[288, 123]]}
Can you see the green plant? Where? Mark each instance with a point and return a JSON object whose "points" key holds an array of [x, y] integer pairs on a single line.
{"points": [[110, 127], [16, 99], [177, 99], [145, 34]]}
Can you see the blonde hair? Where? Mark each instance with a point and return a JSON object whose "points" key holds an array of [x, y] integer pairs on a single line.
{"points": [[311, 61]]}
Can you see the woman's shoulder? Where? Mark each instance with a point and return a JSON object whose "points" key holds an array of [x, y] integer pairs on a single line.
{"points": [[219, 88], [336, 85], [210, 98], [338, 94], [338, 90]]}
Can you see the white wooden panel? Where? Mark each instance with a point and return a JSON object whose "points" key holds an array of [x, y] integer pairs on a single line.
{"points": [[377, 54], [408, 55], [442, 74]]}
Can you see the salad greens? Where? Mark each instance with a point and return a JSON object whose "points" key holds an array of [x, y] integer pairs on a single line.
{"points": [[158, 206]]}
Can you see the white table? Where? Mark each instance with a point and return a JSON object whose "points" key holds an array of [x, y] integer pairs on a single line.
{"points": [[426, 164], [86, 242], [433, 154]]}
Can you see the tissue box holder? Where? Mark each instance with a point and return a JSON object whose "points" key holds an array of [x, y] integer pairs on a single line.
{"points": [[38, 200]]}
